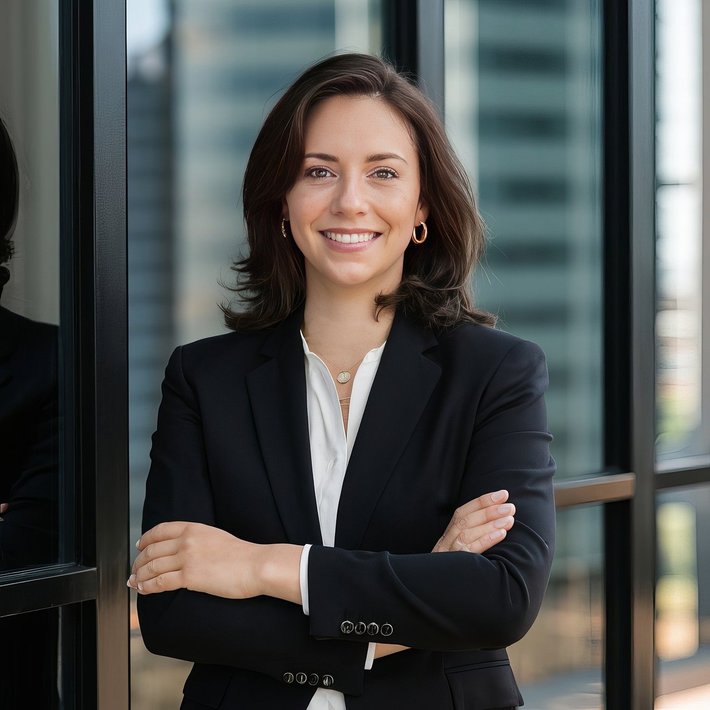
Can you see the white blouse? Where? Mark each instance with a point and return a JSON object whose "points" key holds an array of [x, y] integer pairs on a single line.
{"points": [[331, 446]]}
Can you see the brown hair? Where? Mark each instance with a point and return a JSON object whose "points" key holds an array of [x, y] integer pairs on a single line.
{"points": [[435, 286]]}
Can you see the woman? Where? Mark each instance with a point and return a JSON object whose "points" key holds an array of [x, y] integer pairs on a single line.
{"points": [[306, 466]]}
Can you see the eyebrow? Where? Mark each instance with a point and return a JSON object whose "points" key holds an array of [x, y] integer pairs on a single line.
{"points": [[375, 158]]}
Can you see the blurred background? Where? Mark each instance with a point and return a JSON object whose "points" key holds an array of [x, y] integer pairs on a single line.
{"points": [[523, 107]]}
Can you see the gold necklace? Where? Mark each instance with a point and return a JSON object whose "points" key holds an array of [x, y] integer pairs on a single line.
{"points": [[346, 374]]}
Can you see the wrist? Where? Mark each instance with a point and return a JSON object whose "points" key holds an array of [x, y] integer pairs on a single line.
{"points": [[279, 572]]}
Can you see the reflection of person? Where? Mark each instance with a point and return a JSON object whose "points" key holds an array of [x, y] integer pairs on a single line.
{"points": [[28, 409], [305, 466], [28, 471]]}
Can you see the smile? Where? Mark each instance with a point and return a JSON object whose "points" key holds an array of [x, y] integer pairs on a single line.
{"points": [[350, 238]]}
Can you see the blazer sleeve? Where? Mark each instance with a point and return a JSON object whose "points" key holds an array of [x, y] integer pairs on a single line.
{"points": [[460, 600], [262, 634]]}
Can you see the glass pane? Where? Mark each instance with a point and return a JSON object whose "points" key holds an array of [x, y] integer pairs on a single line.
{"points": [[199, 85], [682, 128], [559, 663], [29, 300], [523, 98], [30, 670], [683, 599]]}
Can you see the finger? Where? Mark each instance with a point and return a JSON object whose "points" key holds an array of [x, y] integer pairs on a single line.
{"points": [[485, 542], [487, 500], [164, 548], [469, 536], [3, 508], [479, 510], [473, 523], [162, 531], [156, 567], [162, 583]]}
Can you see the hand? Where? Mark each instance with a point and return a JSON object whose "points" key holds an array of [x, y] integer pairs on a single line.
{"points": [[4, 508], [478, 525], [199, 557]]}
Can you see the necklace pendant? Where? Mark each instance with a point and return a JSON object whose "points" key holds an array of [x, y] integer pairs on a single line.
{"points": [[343, 377]]}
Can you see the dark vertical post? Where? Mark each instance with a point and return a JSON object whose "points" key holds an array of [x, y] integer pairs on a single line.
{"points": [[643, 370], [400, 34], [617, 351], [414, 42], [111, 353]]}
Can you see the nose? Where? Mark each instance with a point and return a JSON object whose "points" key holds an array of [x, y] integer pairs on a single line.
{"points": [[349, 197]]}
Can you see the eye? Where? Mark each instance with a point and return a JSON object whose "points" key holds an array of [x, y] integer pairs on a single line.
{"points": [[384, 173], [318, 173]]}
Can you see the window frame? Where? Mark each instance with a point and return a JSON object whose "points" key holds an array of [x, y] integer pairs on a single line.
{"points": [[90, 586]]}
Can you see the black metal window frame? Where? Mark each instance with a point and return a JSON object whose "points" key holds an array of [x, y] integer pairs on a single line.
{"points": [[89, 586]]}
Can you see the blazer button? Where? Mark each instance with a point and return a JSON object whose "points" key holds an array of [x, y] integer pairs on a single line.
{"points": [[288, 677], [386, 629], [347, 627], [301, 678], [373, 628], [327, 681], [313, 679], [360, 628]]}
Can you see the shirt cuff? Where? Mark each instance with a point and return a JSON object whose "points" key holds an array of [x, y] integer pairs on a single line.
{"points": [[370, 658], [303, 572]]}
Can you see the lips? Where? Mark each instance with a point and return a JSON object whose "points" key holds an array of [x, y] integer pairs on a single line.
{"points": [[350, 238]]}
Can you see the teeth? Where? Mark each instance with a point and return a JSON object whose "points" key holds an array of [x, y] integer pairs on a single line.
{"points": [[350, 238]]}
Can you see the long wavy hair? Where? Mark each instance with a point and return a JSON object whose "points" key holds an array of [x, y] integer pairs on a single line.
{"points": [[436, 283]]}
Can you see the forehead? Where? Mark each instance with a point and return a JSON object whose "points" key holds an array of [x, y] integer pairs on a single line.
{"points": [[357, 122]]}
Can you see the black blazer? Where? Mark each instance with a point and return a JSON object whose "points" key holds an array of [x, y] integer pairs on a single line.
{"points": [[29, 435], [451, 415], [29, 441]]}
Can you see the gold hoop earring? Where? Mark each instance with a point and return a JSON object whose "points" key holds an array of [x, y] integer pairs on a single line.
{"points": [[283, 227], [422, 239]]}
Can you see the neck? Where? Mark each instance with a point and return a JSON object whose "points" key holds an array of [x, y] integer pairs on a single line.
{"points": [[343, 327]]}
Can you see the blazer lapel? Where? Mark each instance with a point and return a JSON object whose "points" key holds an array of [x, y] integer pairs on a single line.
{"points": [[404, 382], [277, 391]]}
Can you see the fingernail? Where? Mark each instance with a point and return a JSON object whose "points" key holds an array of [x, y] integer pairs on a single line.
{"points": [[503, 522], [498, 496], [140, 587], [138, 544], [497, 534], [505, 509], [128, 583]]}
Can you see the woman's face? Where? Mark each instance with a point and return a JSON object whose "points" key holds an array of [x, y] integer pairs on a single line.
{"points": [[356, 199]]}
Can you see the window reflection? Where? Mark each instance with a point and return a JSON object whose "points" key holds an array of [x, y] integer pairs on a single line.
{"points": [[29, 286], [559, 662], [30, 669], [683, 598], [523, 97], [683, 423]]}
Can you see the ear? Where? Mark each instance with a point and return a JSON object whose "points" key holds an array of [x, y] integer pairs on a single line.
{"points": [[422, 213]]}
